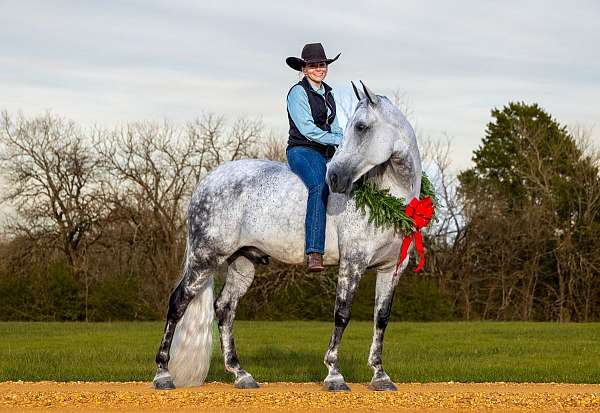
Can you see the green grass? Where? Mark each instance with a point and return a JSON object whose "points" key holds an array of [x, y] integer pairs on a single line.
{"points": [[293, 351]]}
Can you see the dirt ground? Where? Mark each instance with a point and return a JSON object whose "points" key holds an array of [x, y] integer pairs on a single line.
{"points": [[298, 397]]}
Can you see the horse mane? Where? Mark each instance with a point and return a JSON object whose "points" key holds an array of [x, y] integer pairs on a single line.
{"points": [[397, 171]]}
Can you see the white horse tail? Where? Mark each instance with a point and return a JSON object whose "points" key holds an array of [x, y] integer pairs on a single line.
{"points": [[191, 347]]}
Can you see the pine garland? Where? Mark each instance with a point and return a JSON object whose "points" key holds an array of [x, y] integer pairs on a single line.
{"points": [[386, 210]]}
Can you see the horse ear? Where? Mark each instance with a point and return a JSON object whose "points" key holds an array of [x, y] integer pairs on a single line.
{"points": [[356, 92], [372, 96]]}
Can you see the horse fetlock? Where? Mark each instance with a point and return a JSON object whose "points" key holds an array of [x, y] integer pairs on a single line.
{"points": [[334, 377], [232, 365], [375, 363], [162, 359], [331, 360]]}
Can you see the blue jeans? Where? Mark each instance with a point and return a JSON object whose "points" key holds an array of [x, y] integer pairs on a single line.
{"points": [[311, 167]]}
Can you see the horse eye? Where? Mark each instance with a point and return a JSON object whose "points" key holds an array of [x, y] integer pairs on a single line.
{"points": [[360, 126]]}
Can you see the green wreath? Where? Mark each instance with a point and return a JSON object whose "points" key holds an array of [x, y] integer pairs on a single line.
{"points": [[387, 211]]}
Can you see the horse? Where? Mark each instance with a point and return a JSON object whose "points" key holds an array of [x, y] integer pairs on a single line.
{"points": [[247, 211]]}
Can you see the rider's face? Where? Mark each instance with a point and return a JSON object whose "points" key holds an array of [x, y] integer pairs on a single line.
{"points": [[316, 71]]}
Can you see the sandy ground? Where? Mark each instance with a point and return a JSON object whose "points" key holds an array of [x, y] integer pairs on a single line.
{"points": [[298, 397]]}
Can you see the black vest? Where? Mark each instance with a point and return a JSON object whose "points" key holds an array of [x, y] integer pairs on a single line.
{"points": [[319, 114]]}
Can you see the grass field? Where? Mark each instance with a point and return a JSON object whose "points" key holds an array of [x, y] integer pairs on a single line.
{"points": [[293, 351]]}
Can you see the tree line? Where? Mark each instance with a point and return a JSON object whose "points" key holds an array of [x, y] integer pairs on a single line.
{"points": [[98, 231]]}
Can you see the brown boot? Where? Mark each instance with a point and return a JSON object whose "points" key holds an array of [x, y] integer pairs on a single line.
{"points": [[315, 262]]}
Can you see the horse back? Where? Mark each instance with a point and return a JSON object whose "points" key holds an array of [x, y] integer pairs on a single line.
{"points": [[257, 203]]}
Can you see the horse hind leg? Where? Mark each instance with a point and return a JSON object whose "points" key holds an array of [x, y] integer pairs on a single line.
{"points": [[239, 277], [184, 354]]}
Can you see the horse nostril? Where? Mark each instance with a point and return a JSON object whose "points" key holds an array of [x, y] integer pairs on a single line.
{"points": [[333, 178]]}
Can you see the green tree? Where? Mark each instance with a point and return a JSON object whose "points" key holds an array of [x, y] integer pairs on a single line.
{"points": [[520, 144], [535, 195]]}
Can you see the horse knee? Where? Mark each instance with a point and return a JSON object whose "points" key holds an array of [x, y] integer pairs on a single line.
{"points": [[382, 318], [342, 317]]}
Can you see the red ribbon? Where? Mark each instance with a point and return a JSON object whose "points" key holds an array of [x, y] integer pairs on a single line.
{"points": [[421, 212]]}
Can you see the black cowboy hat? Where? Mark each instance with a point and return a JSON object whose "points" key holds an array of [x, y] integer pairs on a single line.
{"points": [[311, 53]]}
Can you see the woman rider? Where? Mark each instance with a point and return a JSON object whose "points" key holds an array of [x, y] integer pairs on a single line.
{"points": [[314, 135]]}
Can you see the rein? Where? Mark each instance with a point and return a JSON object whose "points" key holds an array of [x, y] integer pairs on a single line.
{"points": [[387, 211]]}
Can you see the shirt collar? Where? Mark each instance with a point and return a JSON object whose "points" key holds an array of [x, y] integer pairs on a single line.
{"points": [[320, 90]]}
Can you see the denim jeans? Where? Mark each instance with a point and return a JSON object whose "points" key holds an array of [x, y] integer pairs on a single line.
{"points": [[311, 167]]}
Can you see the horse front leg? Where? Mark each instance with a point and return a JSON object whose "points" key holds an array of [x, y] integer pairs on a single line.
{"points": [[350, 274], [384, 297]]}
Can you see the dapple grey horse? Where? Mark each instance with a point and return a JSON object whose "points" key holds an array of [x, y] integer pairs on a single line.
{"points": [[246, 211]]}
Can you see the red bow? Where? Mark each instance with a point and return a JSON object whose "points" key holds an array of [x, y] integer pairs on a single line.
{"points": [[421, 212]]}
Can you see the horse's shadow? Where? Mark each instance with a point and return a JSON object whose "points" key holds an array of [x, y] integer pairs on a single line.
{"points": [[270, 363]]}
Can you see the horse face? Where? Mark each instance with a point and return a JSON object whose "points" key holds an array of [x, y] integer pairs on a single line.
{"points": [[375, 132]]}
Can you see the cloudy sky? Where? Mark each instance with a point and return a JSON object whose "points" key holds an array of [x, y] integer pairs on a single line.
{"points": [[108, 62]]}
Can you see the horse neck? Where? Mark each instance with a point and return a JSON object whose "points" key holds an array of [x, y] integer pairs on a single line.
{"points": [[401, 175]]}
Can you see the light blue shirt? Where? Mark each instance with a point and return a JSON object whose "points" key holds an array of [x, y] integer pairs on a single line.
{"points": [[299, 108]]}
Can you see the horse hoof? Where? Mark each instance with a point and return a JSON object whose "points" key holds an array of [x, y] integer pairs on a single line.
{"points": [[246, 382], [163, 382], [383, 385], [335, 386]]}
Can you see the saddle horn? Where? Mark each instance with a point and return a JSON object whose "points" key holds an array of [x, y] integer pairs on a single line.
{"points": [[370, 95]]}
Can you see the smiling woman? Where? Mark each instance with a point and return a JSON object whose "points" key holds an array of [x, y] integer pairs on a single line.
{"points": [[314, 135]]}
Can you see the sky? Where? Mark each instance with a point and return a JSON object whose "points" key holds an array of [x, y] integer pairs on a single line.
{"points": [[110, 62]]}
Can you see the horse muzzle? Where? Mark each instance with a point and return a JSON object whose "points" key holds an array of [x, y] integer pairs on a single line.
{"points": [[338, 181]]}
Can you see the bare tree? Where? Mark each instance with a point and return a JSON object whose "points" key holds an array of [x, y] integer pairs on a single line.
{"points": [[436, 158], [274, 147], [402, 102], [54, 178], [154, 169], [218, 143]]}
